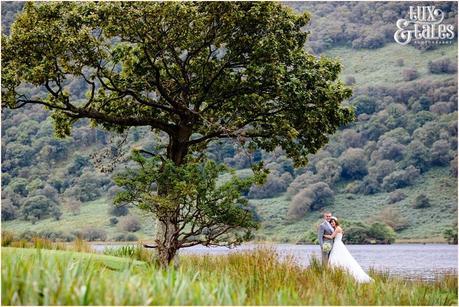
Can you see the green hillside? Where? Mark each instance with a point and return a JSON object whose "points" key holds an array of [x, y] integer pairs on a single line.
{"points": [[403, 144]]}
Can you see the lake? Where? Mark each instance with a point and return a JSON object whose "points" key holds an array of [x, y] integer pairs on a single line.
{"points": [[407, 260]]}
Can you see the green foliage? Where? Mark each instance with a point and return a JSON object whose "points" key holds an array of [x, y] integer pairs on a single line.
{"points": [[359, 233], [421, 201], [313, 198], [270, 72], [40, 207], [214, 213], [450, 235]]}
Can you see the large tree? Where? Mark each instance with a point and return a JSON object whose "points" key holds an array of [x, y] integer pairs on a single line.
{"points": [[196, 71]]}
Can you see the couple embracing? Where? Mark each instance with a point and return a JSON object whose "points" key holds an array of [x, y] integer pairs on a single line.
{"points": [[334, 252]]}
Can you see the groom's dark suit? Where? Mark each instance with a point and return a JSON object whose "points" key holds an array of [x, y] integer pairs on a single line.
{"points": [[325, 229]]}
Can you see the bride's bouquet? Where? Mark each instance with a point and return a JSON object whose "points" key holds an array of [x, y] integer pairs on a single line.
{"points": [[326, 247]]}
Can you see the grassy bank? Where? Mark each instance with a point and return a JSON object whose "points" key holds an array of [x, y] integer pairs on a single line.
{"points": [[49, 277]]}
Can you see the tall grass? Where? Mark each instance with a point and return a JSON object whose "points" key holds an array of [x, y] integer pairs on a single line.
{"points": [[136, 252], [43, 277], [79, 245]]}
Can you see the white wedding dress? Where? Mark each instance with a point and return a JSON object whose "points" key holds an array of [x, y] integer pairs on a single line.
{"points": [[340, 257]]}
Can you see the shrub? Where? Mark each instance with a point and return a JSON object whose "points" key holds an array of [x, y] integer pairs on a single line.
{"points": [[94, 234], [400, 62], [329, 170], [453, 167], [381, 169], [130, 223], [410, 74], [383, 234], [131, 237], [274, 185], [113, 221], [396, 196], [353, 164], [364, 104], [388, 149], [9, 211], [450, 235], [421, 201], [301, 182], [118, 210], [39, 207], [440, 153], [393, 218], [313, 198], [442, 66], [354, 187], [417, 155], [400, 179]]}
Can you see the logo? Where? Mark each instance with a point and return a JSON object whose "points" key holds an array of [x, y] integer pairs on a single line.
{"points": [[424, 26]]}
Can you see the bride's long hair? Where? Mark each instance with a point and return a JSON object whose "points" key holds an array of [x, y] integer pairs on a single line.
{"points": [[335, 220]]}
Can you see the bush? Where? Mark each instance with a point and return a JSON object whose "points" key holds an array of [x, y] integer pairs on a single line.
{"points": [[381, 169], [383, 234], [113, 221], [421, 201], [453, 167], [130, 223], [400, 62], [400, 179], [39, 207], [396, 196], [94, 234], [329, 170], [442, 66], [353, 164], [440, 153], [274, 185], [313, 198], [301, 182], [450, 235], [417, 155], [392, 218], [9, 211], [131, 237], [410, 74], [118, 210]]}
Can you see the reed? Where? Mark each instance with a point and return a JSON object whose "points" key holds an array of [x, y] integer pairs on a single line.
{"points": [[46, 277]]}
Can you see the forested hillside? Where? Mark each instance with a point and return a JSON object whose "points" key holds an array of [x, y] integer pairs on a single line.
{"points": [[392, 174]]}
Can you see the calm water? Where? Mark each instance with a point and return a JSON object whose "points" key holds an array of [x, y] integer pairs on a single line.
{"points": [[408, 260]]}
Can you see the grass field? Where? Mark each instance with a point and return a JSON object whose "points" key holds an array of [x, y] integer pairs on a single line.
{"points": [[425, 225], [379, 67], [47, 277]]}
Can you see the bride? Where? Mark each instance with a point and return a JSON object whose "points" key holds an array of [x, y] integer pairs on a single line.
{"points": [[340, 256]]}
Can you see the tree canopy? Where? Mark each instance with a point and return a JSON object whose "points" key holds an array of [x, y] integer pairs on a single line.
{"points": [[197, 71]]}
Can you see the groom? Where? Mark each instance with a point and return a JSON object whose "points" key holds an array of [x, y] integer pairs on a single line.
{"points": [[325, 229]]}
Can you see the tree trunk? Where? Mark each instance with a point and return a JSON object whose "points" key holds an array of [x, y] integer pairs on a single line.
{"points": [[167, 243]]}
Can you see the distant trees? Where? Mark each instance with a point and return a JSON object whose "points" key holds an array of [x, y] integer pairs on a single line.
{"points": [[400, 179], [360, 233], [313, 198], [353, 164], [39, 207], [442, 66], [130, 223]]}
